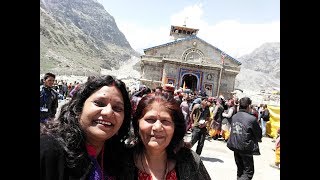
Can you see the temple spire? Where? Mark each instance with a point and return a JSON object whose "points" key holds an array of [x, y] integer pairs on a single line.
{"points": [[177, 32], [185, 21]]}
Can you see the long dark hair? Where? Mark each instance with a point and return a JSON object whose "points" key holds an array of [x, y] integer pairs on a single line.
{"points": [[174, 109], [67, 130]]}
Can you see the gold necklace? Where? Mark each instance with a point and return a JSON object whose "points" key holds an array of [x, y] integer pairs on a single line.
{"points": [[165, 170]]}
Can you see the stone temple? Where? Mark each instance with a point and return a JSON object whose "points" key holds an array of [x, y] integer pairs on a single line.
{"points": [[190, 62]]}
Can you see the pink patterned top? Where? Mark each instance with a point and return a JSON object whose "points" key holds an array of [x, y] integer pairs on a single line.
{"points": [[171, 175]]}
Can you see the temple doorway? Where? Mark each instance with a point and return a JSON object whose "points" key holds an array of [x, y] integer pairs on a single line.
{"points": [[191, 82]]}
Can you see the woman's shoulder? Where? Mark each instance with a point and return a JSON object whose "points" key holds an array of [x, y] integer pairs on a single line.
{"points": [[48, 140], [126, 157], [189, 165], [52, 159], [187, 154], [128, 168], [49, 146]]}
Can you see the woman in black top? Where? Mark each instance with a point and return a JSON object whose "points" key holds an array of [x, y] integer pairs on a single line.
{"points": [[86, 140]]}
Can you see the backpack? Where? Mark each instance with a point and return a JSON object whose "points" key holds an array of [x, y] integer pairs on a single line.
{"points": [[266, 115]]}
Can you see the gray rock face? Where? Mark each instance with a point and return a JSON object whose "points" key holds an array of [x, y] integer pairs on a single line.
{"points": [[260, 69], [78, 37]]}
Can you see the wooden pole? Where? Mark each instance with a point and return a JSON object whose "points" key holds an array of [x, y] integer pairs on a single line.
{"points": [[219, 83], [220, 75]]}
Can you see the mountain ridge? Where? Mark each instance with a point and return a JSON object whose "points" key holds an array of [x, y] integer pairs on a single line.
{"points": [[80, 35], [260, 69]]}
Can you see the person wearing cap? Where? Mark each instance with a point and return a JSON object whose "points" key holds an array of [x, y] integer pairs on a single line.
{"points": [[200, 117], [168, 88], [194, 102]]}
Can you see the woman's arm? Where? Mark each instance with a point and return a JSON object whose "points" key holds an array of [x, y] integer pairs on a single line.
{"points": [[229, 114]]}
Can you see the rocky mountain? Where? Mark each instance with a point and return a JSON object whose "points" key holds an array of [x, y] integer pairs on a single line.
{"points": [[260, 70], [80, 37]]}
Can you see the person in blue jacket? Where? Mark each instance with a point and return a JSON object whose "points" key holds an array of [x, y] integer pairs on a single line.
{"points": [[48, 98]]}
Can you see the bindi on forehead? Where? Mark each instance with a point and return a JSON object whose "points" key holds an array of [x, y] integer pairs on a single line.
{"points": [[160, 111]]}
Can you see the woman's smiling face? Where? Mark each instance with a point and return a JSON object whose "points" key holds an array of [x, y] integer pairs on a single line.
{"points": [[102, 114], [156, 127]]}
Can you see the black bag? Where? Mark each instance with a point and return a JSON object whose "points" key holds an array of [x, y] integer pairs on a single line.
{"points": [[266, 115]]}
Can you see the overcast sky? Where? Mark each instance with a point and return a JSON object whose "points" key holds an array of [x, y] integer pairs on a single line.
{"points": [[236, 27]]}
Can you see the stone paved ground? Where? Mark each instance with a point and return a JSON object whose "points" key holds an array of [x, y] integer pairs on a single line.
{"points": [[220, 163]]}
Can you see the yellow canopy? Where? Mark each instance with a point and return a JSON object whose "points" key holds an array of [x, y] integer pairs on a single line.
{"points": [[274, 123]]}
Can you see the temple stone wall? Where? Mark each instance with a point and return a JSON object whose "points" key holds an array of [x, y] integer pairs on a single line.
{"points": [[152, 71], [165, 62]]}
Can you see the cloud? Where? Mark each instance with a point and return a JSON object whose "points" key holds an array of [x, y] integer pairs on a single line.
{"points": [[142, 37], [230, 36], [191, 16], [237, 39]]}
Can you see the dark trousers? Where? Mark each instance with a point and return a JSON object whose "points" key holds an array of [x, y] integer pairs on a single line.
{"points": [[245, 166], [198, 134]]}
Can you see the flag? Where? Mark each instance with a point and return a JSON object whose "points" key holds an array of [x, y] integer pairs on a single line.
{"points": [[164, 81], [184, 85], [223, 55]]}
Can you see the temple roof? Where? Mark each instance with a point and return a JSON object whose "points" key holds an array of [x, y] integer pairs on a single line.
{"points": [[187, 39], [183, 28]]}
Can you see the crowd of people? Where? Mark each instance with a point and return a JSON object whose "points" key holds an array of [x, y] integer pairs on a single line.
{"points": [[105, 131]]}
